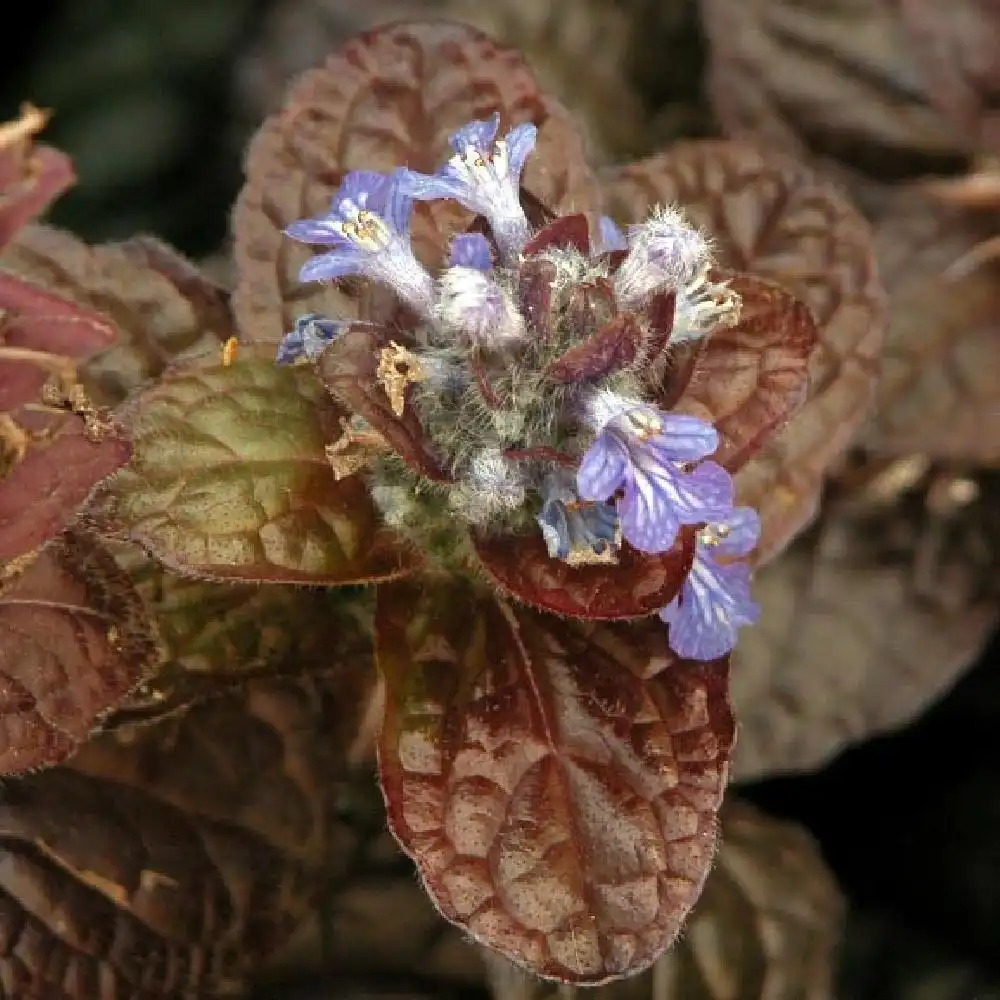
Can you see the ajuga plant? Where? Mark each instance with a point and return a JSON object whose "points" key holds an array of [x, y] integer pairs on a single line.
{"points": [[545, 428]]}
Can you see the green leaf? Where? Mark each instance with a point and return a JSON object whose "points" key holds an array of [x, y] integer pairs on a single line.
{"points": [[229, 480]]}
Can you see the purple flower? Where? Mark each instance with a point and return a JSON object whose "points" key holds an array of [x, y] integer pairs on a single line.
{"points": [[484, 175], [610, 237], [715, 602], [367, 228], [471, 302], [576, 531], [309, 337], [471, 250], [665, 253], [645, 452]]}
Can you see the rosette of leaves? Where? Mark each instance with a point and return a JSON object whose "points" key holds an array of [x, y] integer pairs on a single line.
{"points": [[551, 764]]}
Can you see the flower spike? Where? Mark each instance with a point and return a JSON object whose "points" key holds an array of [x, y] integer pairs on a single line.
{"points": [[367, 228], [715, 602], [484, 175]]}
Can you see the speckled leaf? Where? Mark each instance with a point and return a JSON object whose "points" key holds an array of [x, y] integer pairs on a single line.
{"points": [[163, 308], [766, 927], [750, 379], [349, 369], [217, 635], [556, 782], [229, 480], [74, 640], [833, 82], [390, 97], [938, 392], [957, 52], [169, 864], [31, 177], [637, 585], [867, 619], [773, 218]]}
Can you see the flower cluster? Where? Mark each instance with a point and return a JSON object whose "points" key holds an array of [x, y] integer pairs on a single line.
{"points": [[532, 372]]}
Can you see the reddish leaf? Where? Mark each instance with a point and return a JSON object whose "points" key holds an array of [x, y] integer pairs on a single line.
{"points": [[612, 348], [556, 782], [566, 232], [938, 392], [773, 218], [43, 492], [534, 292], [171, 861], [348, 369], [74, 640], [31, 177], [42, 336], [637, 585], [392, 96], [659, 316], [749, 379], [230, 480], [163, 307]]}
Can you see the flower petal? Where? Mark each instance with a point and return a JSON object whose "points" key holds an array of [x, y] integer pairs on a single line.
{"points": [[471, 250], [602, 468], [742, 535], [319, 231], [328, 266], [610, 237], [648, 518], [480, 134], [429, 187], [702, 495], [520, 142], [713, 605], [684, 438]]}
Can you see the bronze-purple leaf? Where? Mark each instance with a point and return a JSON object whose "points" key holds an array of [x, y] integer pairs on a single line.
{"points": [[162, 306], [938, 393], [637, 585], [749, 379], [534, 292], [557, 782], [31, 177], [613, 347], [566, 232], [390, 97], [773, 218], [43, 492], [173, 861], [74, 640], [659, 317], [348, 368]]}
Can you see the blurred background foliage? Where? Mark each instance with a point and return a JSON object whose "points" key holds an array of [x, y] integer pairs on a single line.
{"points": [[155, 101]]}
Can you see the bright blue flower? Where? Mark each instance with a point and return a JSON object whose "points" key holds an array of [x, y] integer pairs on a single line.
{"points": [[715, 602], [484, 175], [646, 453], [471, 250], [367, 228], [310, 336], [576, 531]]}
